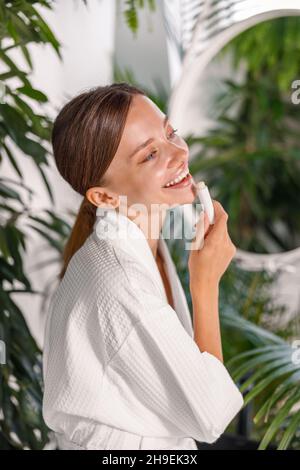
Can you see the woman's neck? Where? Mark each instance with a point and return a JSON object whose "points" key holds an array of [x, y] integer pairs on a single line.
{"points": [[151, 225]]}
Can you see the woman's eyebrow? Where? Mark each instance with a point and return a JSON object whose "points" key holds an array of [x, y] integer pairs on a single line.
{"points": [[147, 142]]}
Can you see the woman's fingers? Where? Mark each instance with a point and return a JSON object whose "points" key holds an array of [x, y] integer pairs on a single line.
{"points": [[217, 231], [219, 228], [201, 228]]}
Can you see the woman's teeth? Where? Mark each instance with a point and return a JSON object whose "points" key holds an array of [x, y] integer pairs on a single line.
{"points": [[176, 180]]}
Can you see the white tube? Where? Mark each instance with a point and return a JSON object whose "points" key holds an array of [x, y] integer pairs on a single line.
{"points": [[205, 199]]}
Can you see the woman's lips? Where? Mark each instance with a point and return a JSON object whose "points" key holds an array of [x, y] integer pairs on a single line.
{"points": [[186, 181], [185, 168]]}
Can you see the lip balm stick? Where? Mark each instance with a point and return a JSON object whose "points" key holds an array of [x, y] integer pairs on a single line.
{"points": [[205, 199]]}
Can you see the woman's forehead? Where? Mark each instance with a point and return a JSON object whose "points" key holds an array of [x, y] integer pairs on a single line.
{"points": [[142, 113], [144, 121]]}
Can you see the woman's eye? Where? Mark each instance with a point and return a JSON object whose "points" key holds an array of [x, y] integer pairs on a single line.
{"points": [[150, 154], [147, 159], [173, 132]]}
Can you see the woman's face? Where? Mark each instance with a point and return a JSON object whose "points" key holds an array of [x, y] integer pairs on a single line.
{"points": [[142, 167]]}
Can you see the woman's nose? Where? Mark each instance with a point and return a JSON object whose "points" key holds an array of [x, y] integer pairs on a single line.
{"points": [[178, 162]]}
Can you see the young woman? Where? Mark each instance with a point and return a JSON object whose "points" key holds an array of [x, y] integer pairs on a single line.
{"points": [[123, 365]]}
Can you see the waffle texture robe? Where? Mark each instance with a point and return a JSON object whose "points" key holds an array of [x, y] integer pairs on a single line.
{"points": [[121, 368]]}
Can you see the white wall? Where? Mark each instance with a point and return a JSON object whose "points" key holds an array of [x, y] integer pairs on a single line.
{"points": [[146, 53]]}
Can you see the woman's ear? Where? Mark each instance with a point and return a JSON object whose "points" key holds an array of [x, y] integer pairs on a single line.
{"points": [[101, 197]]}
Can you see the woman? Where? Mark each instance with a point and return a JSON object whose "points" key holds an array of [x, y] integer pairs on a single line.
{"points": [[124, 368]]}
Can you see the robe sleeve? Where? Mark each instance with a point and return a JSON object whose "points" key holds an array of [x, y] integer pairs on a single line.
{"points": [[166, 371]]}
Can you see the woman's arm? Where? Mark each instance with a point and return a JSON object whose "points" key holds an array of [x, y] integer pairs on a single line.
{"points": [[206, 322], [211, 252]]}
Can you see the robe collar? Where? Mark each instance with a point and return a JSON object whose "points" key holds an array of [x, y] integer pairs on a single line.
{"points": [[123, 232]]}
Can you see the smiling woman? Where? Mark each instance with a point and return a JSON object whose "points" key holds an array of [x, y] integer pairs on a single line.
{"points": [[122, 167], [160, 157], [121, 367]]}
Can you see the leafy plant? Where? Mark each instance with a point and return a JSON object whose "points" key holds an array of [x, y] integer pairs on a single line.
{"points": [[21, 425], [251, 157], [250, 160], [271, 372], [256, 348], [131, 12]]}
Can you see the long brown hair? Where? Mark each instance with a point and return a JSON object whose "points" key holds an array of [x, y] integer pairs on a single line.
{"points": [[85, 136]]}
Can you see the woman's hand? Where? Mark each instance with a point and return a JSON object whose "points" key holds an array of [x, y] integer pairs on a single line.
{"points": [[212, 249]]}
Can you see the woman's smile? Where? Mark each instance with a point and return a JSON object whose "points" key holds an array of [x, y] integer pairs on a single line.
{"points": [[182, 177]]}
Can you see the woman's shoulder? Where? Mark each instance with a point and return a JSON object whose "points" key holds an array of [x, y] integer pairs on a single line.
{"points": [[114, 258], [95, 259], [107, 267]]}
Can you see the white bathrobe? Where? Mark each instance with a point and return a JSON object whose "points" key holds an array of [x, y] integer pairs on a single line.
{"points": [[121, 368]]}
